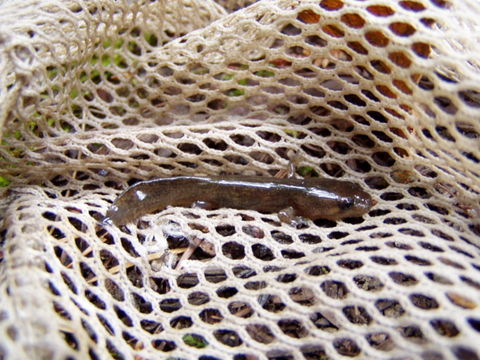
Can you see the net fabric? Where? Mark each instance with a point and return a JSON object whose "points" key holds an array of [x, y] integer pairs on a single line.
{"points": [[97, 95]]}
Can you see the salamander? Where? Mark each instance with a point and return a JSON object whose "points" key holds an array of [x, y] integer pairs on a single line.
{"points": [[312, 198]]}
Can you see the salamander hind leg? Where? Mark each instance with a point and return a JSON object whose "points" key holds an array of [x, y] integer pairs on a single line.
{"points": [[206, 205]]}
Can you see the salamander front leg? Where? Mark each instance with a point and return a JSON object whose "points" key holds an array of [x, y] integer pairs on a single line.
{"points": [[289, 216], [292, 164], [291, 168]]}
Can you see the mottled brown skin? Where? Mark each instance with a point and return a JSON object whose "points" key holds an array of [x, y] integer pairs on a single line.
{"points": [[313, 198]]}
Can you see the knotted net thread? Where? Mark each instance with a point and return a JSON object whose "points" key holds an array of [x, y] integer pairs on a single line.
{"points": [[96, 95]]}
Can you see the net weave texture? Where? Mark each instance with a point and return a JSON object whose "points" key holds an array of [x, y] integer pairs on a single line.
{"points": [[96, 95]]}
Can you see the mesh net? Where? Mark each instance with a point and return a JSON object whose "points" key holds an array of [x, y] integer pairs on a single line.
{"points": [[96, 95]]}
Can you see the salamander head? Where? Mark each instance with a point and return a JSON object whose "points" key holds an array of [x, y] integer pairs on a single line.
{"points": [[356, 205], [116, 216], [343, 200]]}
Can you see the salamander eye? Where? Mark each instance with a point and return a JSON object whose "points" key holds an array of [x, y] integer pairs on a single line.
{"points": [[346, 203]]}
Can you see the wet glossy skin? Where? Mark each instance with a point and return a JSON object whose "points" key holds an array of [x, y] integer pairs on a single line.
{"points": [[313, 198]]}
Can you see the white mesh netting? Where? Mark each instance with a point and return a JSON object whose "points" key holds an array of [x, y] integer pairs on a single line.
{"points": [[96, 95]]}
